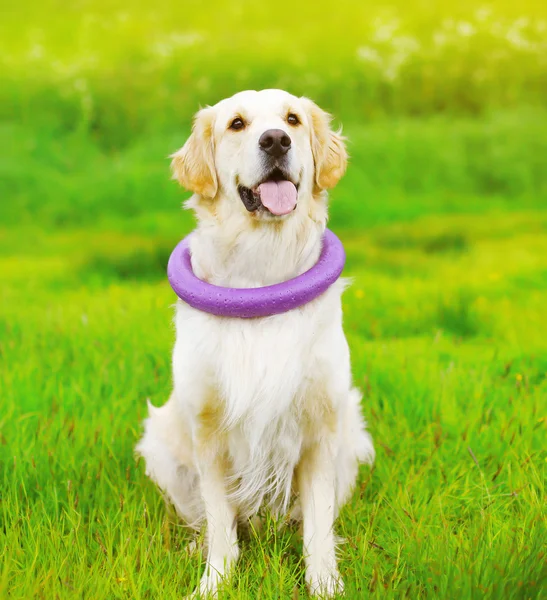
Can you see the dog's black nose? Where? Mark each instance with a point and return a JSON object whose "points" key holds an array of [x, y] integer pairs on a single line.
{"points": [[275, 142]]}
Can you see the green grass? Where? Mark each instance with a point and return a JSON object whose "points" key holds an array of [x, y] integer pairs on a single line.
{"points": [[443, 215], [400, 168], [446, 322]]}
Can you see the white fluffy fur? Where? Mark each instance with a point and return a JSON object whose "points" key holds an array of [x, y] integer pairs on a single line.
{"points": [[263, 411]]}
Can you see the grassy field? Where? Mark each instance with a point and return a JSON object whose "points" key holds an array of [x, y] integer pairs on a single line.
{"points": [[443, 213]]}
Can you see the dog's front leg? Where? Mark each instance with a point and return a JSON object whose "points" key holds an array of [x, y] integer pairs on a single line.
{"points": [[316, 484], [222, 547]]}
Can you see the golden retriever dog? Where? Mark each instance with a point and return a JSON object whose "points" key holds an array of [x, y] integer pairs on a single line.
{"points": [[263, 413]]}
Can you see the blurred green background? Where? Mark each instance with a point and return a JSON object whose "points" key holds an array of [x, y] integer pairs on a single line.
{"points": [[443, 214]]}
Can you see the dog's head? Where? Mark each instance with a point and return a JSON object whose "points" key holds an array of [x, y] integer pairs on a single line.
{"points": [[266, 154]]}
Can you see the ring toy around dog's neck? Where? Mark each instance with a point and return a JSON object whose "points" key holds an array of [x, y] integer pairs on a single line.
{"points": [[246, 303]]}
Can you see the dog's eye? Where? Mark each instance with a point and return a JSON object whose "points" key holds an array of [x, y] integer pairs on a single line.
{"points": [[292, 119], [237, 124]]}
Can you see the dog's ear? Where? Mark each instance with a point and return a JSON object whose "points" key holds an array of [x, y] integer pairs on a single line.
{"points": [[194, 164], [328, 147]]}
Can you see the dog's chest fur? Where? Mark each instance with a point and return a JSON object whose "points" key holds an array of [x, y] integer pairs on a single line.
{"points": [[264, 386], [269, 388]]}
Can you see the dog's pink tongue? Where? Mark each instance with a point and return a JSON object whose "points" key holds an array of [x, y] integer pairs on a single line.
{"points": [[279, 197]]}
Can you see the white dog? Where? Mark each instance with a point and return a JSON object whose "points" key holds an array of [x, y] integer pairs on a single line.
{"points": [[263, 411]]}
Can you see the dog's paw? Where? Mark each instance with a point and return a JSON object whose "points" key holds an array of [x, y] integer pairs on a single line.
{"points": [[208, 587], [325, 585], [217, 573]]}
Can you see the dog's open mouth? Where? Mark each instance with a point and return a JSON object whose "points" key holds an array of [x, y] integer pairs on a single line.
{"points": [[276, 193]]}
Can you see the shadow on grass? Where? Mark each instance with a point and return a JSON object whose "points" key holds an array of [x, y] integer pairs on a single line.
{"points": [[144, 264], [441, 243], [457, 316]]}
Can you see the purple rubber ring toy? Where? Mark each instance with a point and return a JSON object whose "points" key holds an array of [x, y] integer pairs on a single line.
{"points": [[247, 303]]}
